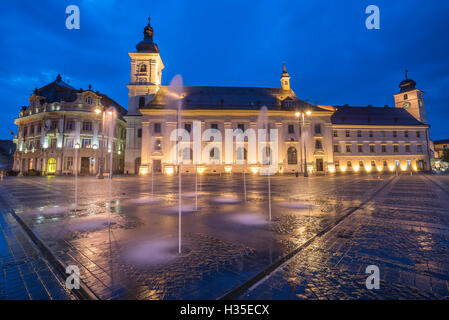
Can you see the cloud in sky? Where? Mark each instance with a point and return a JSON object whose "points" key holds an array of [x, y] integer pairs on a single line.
{"points": [[330, 55]]}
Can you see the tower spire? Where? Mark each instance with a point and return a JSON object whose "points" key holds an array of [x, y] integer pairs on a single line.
{"points": [[285, 78]]}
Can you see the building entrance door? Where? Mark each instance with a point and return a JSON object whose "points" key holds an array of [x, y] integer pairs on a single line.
{"points": [[319, 165], [157, 167], [85, 164], [51, 166]]}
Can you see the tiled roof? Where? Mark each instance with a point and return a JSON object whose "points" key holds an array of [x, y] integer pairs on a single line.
{"points": [[203, 97], [373, 116]]}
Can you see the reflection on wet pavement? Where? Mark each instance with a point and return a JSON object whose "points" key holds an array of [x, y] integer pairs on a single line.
{"points": [[126, 245]]}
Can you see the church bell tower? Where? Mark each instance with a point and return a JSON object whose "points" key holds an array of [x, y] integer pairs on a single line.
{"points": [[146, 72], [411, 99]]}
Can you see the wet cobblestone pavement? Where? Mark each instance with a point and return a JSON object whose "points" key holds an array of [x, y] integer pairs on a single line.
{"points": [[24, 273], [124, 240], [404, 231]]}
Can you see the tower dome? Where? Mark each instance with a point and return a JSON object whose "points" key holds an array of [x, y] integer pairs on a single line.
{"points": [[407, 84], [147, 44]]}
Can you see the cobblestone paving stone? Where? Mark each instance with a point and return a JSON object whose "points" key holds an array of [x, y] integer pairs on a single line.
{"points": [[221, 250], [24, 273], [407, 239]]}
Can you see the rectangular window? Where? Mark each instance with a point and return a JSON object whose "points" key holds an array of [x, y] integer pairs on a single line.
{"points": [[68, 163], [157, 145], [157, 128], [241, 126], [360, 148], [371, 134], [373, 163], [395, 134], [214, 126], [347, 134], [318, 144], [335, 133], [384, 148], [337, 163], [86, 142], [406, 134], [336, 148], [371, 148], [349, 164], [361, 164], [87, 126], [139, 133], [418, 134], [53, 125], [395, 148], [53, 142], [419, 148], [383, 134], [70, 125], [69, 143], [188, 127], [317, 128], [407, 148], [385, 163], [348, 148], [37, 143], [291, 128], [359, 133]]}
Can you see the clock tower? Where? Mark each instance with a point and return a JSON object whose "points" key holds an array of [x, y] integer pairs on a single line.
{"points": [[411, 99]]}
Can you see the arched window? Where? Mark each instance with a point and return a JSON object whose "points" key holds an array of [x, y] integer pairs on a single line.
{"points": [[187, 154], [141, 102], [292, 155], [266, 155], [89, 100], [51, 165], [241, 154], [143, 68], [214, 154]]}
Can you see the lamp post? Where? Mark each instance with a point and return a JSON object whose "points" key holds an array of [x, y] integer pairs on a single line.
{"points": [[301, 115], [100, 166]]}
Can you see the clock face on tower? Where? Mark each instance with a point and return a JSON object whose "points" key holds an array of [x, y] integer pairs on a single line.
{"points": [[406, 105]]}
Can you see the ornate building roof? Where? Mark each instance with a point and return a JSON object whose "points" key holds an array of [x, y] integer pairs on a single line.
{"points": [[373, 116], [60, 91]]}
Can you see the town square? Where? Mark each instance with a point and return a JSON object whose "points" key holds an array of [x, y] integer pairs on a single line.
{"points": [[148, 158]]}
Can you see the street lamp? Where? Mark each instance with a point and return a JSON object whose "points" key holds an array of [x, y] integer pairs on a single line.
{"points": [[101, 163], [300, 115]]}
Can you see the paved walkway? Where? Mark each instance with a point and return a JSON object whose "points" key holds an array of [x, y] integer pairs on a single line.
{"points": [[404, 231], [24, 273]]}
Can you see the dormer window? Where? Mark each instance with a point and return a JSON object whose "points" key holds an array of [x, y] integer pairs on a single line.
{"points": [[88, 100], [405, 96]]}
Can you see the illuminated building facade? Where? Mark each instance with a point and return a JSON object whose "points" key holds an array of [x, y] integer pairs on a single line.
{"points": [[319, 139], [62, 128]]}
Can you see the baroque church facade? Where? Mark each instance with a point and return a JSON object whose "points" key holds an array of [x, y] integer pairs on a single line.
{"points": [[319, 139]]}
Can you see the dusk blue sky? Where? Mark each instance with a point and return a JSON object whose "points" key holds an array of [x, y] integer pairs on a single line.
{"points": [[330, 55]]}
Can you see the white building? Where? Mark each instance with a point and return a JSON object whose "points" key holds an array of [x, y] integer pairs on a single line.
{"points": [[323, 139]]}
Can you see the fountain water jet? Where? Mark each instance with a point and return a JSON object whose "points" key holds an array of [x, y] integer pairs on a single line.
{"points": [[262, 124], [175, 102]]}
